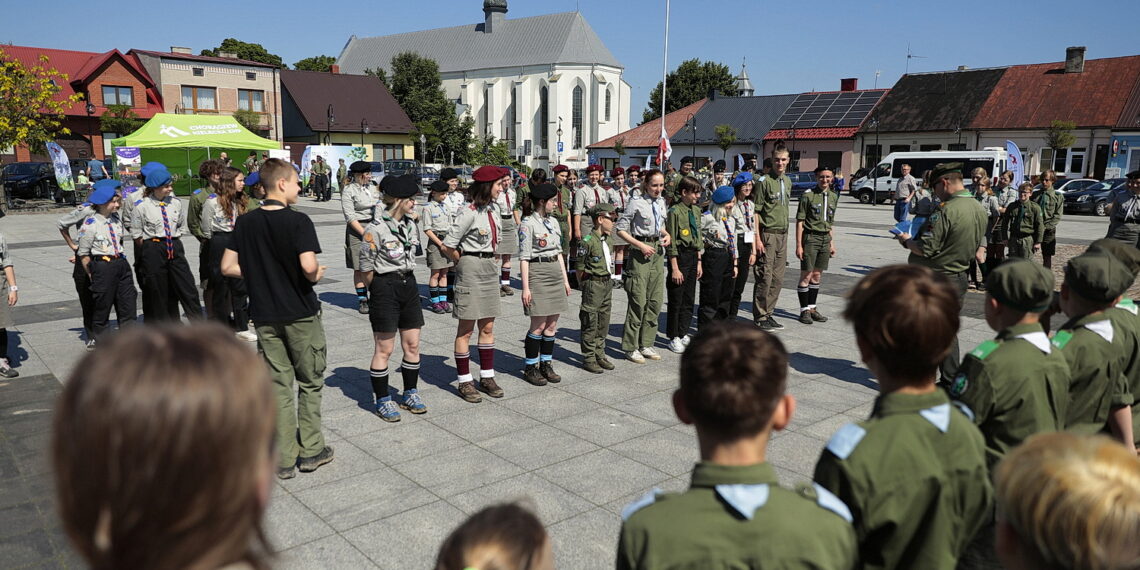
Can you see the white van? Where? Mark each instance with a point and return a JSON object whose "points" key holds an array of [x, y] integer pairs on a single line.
{"points": [[880, 181]]}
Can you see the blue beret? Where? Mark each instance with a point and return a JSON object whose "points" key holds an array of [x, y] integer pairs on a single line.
{"points": [[158, 177], [253, 179], [723, 195], [146, 168], [741, 179], [104, 190]]}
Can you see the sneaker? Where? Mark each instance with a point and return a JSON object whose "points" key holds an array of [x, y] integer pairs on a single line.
{"points": [[6, 369], [413, 402], [805, 317], [686, 339], [363, 307], [765, 325], [468, 392], [618, 284], [388, 410], [635, 356], [592, 367], [286, 472], [436, 308], [489, 386], [815, 316], [90, 344], [650, 353], [981, 286], [547, 370], [247, 336], [677, 345], [506, 291], [310, 464], [772, 322], [533, 375], [605, 363]]}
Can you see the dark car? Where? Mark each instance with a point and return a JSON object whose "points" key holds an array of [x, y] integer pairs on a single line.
{"points": [[377, 170], [28, 180], [1095, 198], [400, 166], [801, 182]]}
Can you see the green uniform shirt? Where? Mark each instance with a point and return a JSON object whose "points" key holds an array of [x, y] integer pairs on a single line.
{"points": [[1124, 317], [953, 234], [1023, 219], [1095, 351], [562, 207], [194, 212], [671, 183], [772, 201], [321, 167], [737, 517], [817, 209], [1052, 205], [592, 254], [684, 225], [914, 476], [1016, 385]]}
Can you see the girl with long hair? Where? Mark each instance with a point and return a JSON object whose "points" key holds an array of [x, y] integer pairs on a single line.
{"points": [[219, 214]]}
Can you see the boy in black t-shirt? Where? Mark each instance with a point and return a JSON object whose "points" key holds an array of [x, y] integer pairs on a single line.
{"points": [[274, 248]]}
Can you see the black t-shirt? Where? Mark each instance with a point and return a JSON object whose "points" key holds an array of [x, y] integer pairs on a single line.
{"points": [[269, 244]]}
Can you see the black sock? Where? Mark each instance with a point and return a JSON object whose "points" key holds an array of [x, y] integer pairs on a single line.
{"points": [[379, 382], [361, 293], [433, 294], [802, 292], [813, 294], [3, 343], [547, 349], [531, 347], [411, 374]]}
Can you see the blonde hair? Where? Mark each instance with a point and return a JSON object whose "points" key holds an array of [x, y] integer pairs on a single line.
{"points": [[161, 441], [1073, 500], [499, 537]]}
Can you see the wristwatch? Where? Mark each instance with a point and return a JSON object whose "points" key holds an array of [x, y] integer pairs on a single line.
{"points": [[13, 288]]}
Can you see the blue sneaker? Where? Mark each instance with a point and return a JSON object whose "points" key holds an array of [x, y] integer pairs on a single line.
{"points": [[412, 402], [387, 410]]}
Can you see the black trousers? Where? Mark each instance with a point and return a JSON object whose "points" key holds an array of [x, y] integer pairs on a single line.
{"points": [[321, 186], [112, 285], [949, 368], [742, 269], [230, 301], [86, 301], [717, 285], [166, 283], [679, 310]]}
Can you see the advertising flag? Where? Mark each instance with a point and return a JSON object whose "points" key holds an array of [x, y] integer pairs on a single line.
{"points": [[62, 167], [1015, 164]]}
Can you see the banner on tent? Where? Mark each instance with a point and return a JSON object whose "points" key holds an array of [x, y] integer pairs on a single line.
{"points": [[62, 167]]}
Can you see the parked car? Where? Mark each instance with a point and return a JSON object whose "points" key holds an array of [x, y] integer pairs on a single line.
{"points": [[28, 180], [377, 170], [1066, 185], [400, 166], [1095, 198], [427, 175], [801, 182], [466, 175]]}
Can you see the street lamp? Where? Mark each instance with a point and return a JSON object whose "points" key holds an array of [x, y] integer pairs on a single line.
{"points": [[558, 152], [437, 152], [692, 122], [875, 167], [90, 108], [792, 157], [363, 130], [328, 124], [423, 151]]}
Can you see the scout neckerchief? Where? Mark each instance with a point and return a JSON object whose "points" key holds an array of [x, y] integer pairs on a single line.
{"points": [[621, 194], [115, 245], [780, 196], [166, 228], [730, 237], [400, 231], [692, 221], [656, 216], [494, 230], [597, 198]]}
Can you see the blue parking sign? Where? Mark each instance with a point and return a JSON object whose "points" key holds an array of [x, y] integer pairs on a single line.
{"points": [[559, 146]]}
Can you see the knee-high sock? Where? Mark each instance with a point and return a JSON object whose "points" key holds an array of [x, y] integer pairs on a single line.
{"points": [[531, 346], [803, 295], [411, 373], [486, 360], [547, 349], [813, 294], [379, 382], [463, 366]]}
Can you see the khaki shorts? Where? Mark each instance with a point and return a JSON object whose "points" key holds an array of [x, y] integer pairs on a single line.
{"points": [[817, 252], [435, 257]]}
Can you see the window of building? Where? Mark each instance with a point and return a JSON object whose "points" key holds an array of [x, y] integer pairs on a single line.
{"points": [[382, 152], [956, 146], [1077, 161], [509, 120], [794, 163], [576, 122], [199, 100], [199, 71], [609, 101], [250, 100], [929, 147], [486, 112], [544, 120], [251, 76], [116, 95], [899, 148], [872, 154]]}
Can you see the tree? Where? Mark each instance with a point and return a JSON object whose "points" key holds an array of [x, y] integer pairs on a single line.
{"points": [[725, 138], [380, 73], [417, 88], [246, 51], [1059, 135], [30, 113], [315, 63], [119, 119], [248, 119], [619, 147], [690, 83]]}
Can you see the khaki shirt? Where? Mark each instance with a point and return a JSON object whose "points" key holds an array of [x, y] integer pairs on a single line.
{"points": [[126, 212], [194, 212], [214, 220], [1023, 219], [745, 215], [391, 246], [506, 202], [952, 235], [539, 237], [455, 202], [1052, 206], [358, 202], [147, 218], [587, 197], [95, 237], [5, 259], [475, 229], [76, 217], [1095, 352], [737, 517], [1126, 322], [772, 196], [564, 204], [684, 226], [718, 233], [817, 209], [321, 167], [436, 217], [619, 197], [592, 254], [644, 218]]}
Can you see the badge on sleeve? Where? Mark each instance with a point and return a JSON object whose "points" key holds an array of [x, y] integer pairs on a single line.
{"points": [[685, 232]]}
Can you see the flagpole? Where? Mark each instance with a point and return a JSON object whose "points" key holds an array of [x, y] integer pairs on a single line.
{"points": [[664, 79]]}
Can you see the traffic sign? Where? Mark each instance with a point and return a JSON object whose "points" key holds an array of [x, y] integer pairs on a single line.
{"points": [[560, 146]]}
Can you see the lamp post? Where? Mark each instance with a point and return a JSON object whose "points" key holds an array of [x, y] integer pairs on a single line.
{"points": [[437, 152], [363, 130], [558, 152], [692, 122], [875, 167], [423, 151], [328, 124], [90, 108], [792, 156]]}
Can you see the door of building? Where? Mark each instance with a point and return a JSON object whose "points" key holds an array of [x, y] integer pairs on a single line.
{"points": [[1100, 161]]}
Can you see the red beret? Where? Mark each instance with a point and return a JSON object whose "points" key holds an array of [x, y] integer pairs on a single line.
{"points": [[560, 168], [617, 171], [595, 168], [634, 168], [487, 173]]}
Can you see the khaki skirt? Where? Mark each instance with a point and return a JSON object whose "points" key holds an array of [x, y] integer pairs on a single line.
{"points": [[351, 249], [547, 289], [6, 321], [508, 238], [476, 288], [435, 257]]}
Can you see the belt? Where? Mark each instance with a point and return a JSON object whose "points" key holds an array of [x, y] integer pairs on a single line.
{"points": [[648, 238], [686, 248], [400, 274], [716, 250], [107, 258], [507, 217], [591, 277], [769, 231], [544, 259], [477, 254], [162, 239], [816, 232]]}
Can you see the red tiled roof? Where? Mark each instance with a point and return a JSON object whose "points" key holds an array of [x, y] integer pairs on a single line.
{"points": [[649, 134], [1032, 96], [79, 67], [813, 133], [203, 58]]}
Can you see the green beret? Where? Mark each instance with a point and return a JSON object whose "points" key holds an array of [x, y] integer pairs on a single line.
{"points": [[1126, 253], [1097, 277], [1022, 285], [942, 169], [602, 209]]}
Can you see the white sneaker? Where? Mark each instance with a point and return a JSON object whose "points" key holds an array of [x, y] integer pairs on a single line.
{"points": [[635, 357], [685, 339], [247, 336], [677, 345], [649, 353]]}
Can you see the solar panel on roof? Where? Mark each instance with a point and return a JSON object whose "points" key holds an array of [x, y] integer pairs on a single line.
{"points": [[835, 109]]}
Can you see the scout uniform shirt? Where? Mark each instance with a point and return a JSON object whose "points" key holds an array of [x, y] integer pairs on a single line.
{"points": [[539, 236], [101, 237], [1052, 204], [594, 254], [214, 219], [737, 517], [358, 202], [585, 198], [321, 167], [126, 212], [194, 212], [952, 235], [817, 209], [1022, 222], [684, 225], [644, 218], [772, 194], [506, 202], [151, 218], [475, 230], [76, 217], [618, 197], [455, 202], [436, 217], [1017, 385], [914, 476], [745, 215], [1125, 320], [1094, 351], [391, 245], [719, 233]]}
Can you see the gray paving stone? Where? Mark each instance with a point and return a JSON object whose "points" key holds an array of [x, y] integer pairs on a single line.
{"points": [[674, 485], [587, 541], [602, 476], [795, 452], [289, 523], [609, 389], [830, 397], [408, 540], [364, 498], [605, 426], [537, 446], [656, 407], [549, 405], [667, 450], [483, 421], [551, 502], [394, 444], [456, 470], [825, 428], [348, 460], [329, 552]]}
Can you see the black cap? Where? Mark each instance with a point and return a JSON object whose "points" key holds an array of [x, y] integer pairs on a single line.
{"points": [[399, 186], [543, 191], [448, 174], [719, 166], [359, 166], [439, 186]]}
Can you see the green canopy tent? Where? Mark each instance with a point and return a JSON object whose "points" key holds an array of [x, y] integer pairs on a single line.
{"points": [[182, 142]]}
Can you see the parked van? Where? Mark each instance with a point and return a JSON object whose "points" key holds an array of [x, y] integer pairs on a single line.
{"points": [[880, 181]]}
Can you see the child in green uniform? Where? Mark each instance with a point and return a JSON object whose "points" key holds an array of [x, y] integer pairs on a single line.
{"points": [[684, 263], [735, 514], [815, 241], [914, 473], [1023, 223], [594, 269], [1125, 319]]}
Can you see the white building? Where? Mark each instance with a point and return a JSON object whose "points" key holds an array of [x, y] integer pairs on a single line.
{"points": [[523, 81]]}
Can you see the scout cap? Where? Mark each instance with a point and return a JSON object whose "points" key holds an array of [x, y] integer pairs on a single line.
{"points": [[104, 190], [544, 191], [1022, 285], [602, 209], [438, 186], [617, 171], [1127, 254], [149, 167], [943, 168], [448, 174], [741, 179], [719, 166], [687, 160], [723, 195], [560, 168], [359, 166], [1098, 277], [253, 179], [634, 168], [399, 186], [595, 168], [488, 173], [157, 177]]}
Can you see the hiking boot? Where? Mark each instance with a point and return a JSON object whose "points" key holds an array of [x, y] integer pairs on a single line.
{"points": [[468, 392], [805, 317], [363, 307], [617, 283], [488, 386], [635, 357], [685, 340], [310, 464], [388, 410], [547, 370], [605, 363], [436, 308], [286, 472], [592, 367], [506, 291], [446, 307], [6, 370], [815, 316], [650, 353], [412, 402], [533, 375]]}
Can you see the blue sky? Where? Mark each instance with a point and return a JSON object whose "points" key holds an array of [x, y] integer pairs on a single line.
{"points": [[791, 46]]}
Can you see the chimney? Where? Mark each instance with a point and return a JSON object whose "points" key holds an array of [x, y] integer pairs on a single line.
{"points": [[494, 12], [1075, 59], [181, 50], [712, 94], [849, 84], [963, 67], [334, 69], [227, 54]]}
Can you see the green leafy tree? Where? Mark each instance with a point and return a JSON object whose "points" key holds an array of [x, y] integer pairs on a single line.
{"points": [[379, 72], [1059, 135], [417, 88], [725, 138], [690, 83], [246, 51], [248, 119], [120, 119], [315, 63], [30, 113], [619, 147]]}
